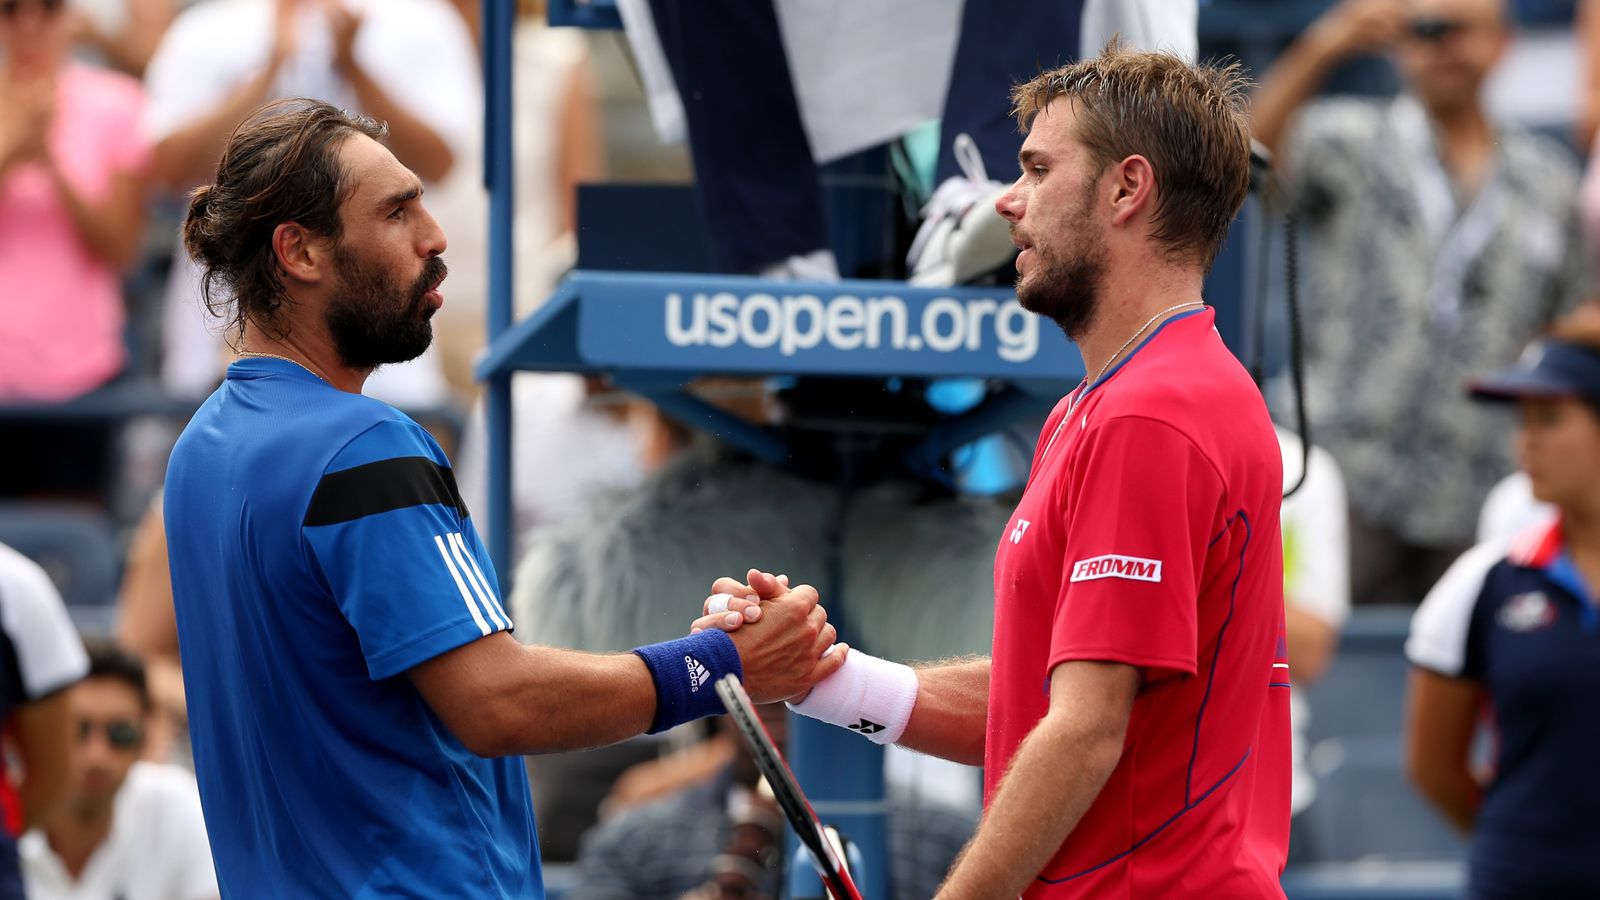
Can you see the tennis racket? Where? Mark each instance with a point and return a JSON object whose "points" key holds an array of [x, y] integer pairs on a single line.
{"points": [[812, 833]]}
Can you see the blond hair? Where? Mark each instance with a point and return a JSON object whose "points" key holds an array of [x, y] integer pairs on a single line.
{"points": [[1190, 122]]}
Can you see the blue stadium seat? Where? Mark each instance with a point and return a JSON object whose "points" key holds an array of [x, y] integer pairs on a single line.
{"points": [[78, 547]]}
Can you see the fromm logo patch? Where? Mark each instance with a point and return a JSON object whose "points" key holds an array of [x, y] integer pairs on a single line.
{"points": [[1133, 568]]}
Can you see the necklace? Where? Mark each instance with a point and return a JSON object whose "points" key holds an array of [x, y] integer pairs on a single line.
{"points": [[284, 358], [1083, 389], [1135, 336]]}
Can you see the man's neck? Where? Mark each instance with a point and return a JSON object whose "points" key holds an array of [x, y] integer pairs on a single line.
{"points": [[313, 352], [1132, 306], [1462, 125], [76, 833], [1466, 143]]}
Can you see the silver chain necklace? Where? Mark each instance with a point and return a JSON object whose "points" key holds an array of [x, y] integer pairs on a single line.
{"points": [[1083, 389]]}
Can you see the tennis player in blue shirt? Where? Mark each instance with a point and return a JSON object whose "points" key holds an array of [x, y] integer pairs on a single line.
{"points": [[356, 702]]}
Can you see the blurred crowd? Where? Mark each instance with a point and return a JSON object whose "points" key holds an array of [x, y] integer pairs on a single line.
{"points": [[1439, 238]]}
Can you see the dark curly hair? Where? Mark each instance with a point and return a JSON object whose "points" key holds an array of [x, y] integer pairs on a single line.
{"points": [[281, 165]]}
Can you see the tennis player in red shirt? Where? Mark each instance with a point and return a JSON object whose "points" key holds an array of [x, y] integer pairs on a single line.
{"points": [[1133, 721]]}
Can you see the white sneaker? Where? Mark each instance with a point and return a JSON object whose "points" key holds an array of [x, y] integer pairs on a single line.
{"points": [[962, 236]]}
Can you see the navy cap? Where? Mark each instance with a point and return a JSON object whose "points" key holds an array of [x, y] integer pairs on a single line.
{"points": [[1548, 368]]}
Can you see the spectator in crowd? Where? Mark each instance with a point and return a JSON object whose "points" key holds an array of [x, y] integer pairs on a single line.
{"points": [[1511, 507], [123, 33], [1316, 593], [1510, 628], [71, 207], [1438, 243], [409, 63], [129, 830], [695, 838], [41, 656]]}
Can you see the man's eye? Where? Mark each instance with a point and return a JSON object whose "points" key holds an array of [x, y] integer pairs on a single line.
{"points": [[399, 213]]}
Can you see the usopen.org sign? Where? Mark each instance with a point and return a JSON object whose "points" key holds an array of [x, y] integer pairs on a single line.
{"points": [[852, 327]]}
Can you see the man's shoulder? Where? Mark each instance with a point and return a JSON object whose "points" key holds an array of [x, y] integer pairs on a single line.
{"points": [[292, 449], [1183, 383], [1196, 399], [1539, 161], [371, 430]]}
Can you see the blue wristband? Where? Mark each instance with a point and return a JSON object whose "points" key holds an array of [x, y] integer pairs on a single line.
{"points": [[684, 671]]}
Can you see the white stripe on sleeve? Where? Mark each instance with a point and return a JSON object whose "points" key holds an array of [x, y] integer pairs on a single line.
{"points": [[472, 560], [463, 559], [461, 585]]}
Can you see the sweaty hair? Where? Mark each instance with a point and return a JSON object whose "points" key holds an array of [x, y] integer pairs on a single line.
{"points": [[107, 660], [280, 165], [1189, 121]]}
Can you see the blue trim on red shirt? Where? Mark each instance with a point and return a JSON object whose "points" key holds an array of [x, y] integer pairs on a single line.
{"points": [[1135, 352]]}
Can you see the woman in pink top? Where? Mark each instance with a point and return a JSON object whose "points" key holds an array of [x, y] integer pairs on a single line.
{"points": [[71, 207]]}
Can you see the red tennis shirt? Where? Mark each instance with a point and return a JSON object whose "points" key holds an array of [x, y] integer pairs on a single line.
{"points": [[1148, 535]]}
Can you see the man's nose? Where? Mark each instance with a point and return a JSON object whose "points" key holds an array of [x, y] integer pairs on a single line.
{"points": [[1011, 205]]}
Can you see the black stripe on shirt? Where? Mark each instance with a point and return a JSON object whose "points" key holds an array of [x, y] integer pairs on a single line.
{"points": [[381, 486]]}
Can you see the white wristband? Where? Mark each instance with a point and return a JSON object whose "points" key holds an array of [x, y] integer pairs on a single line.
{"points": [[868, 695]]}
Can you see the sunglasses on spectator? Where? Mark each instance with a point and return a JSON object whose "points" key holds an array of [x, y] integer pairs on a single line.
{"points": [[120, 735], [1434, 30], [10, 8]]}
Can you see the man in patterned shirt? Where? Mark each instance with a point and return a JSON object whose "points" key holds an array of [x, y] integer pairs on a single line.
{"points": [[1437, 243]]}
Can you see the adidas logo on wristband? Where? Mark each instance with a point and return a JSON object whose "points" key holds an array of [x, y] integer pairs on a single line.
{"points": [[698, 673], [865, 727]]}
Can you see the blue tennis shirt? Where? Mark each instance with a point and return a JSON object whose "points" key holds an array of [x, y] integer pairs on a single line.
{"points": [[319, 549]]}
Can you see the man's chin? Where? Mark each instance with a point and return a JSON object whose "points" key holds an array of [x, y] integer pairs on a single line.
{"points": [[392, 355], [1028, 297]]}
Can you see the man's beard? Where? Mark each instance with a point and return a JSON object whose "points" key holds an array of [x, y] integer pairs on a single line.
{"points": [[368, 324], [1066, 290]]}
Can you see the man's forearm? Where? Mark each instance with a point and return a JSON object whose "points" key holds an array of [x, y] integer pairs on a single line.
{"points": [[566, 700], [951, 712], [1311, 644], [1054, 778], [1455, 794], [414, 143], [185, 156], [500, 698], [1291, 81], [113, 228], [43, 736]]}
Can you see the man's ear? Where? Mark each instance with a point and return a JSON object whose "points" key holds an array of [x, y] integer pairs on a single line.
{"points": [[1134, 188], [302, 254]]}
